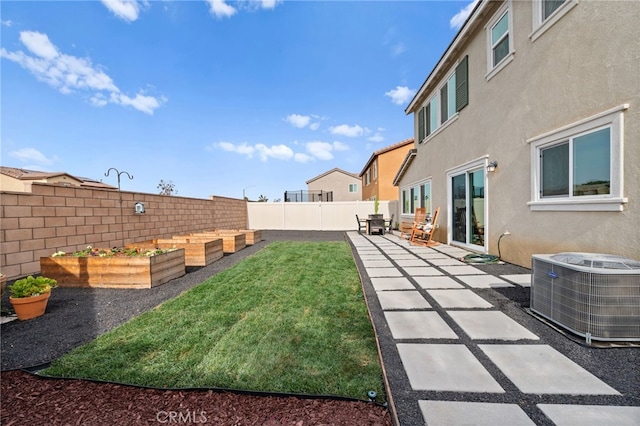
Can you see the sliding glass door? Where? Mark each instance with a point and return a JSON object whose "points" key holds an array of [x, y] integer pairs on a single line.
{"points": [[467, 207]]}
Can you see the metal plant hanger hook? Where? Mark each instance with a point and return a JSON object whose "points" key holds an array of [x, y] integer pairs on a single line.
{"points": [[119, 173]]}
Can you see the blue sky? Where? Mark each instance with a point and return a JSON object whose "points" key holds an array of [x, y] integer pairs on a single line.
{"points": [[217, 97]]}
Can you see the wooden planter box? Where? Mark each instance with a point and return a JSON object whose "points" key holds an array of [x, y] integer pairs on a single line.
{"points": [[114, 271], [196, 253], [252, 236], [231, 242]]}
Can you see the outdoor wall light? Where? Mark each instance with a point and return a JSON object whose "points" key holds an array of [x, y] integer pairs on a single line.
{"points": [[491, 167], [139, 207]]}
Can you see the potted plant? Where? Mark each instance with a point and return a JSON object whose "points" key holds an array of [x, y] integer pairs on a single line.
{"points": [[376, 221], [29, 296]]}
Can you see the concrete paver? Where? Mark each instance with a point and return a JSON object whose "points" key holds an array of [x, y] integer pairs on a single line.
{"points": [[441, 367], [421, 271], [483, 281], [462, 270], [418, 325], [523, 280], [490, 325], [402, 300], [384, 272], [591, 415], [473, 414], [540, 369], [391, 283], [438, 282], [459, 299]]}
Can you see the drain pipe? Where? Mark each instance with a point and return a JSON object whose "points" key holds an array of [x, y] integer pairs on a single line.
{"points": [[503, 234]]}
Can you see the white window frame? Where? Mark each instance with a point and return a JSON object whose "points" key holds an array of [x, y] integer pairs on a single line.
{"points": [[615, 200], [375, 170], [405, 190], [540, 25], [353, 187], [492, 70]]}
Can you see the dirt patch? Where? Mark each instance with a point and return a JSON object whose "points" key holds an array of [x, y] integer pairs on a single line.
{"points": [[32, 400]]}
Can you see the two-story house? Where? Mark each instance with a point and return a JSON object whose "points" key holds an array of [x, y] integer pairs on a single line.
{"points": [[343, 185], [529, 127], [379, 171]]}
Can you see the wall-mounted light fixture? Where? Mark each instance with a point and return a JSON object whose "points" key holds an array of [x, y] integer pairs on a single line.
{"points": [[139, 207], [491, 167]]}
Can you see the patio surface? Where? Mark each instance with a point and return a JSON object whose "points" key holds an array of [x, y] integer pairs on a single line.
{"points": [[459, 347]]}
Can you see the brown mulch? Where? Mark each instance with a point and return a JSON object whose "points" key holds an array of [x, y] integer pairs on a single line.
{"points": [[32, 400]]}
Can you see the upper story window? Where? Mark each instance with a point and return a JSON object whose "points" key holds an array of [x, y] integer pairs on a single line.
{"points": [[500, 40], [353, 187], [367, 177], [547, 12], [375, 170], [446, 101], [579, 167]]}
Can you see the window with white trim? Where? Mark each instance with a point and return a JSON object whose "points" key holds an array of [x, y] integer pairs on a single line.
{"points": [[417, 195], [579, 167], [547, 12], [375, 170], [353, 187], [499, 40], [367, 177], [445, 102]]}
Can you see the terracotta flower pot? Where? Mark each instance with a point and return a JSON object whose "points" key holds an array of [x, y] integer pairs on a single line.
{"points": [[27, 308]]}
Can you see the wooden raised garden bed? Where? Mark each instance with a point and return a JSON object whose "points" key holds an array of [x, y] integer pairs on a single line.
{"points": [[114, 271], [231, 242], [252, 235], [196, 252]]}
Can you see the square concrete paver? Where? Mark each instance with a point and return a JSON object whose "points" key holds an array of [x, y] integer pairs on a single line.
{"points": [[591, 415], [483, 281], [383, 272], [422, 271], [437, 282], [391, 283], [462, 270], [490, 325], [446, 261], [459, 299], [410, 261], [473, 413], [523, 280], [540, 369], [418, 325], [382, 263], [440, 367], [402, 300]]}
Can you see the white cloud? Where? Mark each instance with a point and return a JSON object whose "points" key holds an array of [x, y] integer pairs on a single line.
{"points": [[398, 49], [460, 17], [279, 152], [339, 146], [298, 121], [400, 94], [128, 10], [346, 130], [220, 9], [69, 73], [7, 23], [314, 126], [269, 4], [31, 154], [377, 137], [320, 150], [302, 158]]}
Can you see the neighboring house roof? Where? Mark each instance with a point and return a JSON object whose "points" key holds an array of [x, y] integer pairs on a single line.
{"points": [[31, 175], [405, 165], [335, 169], [461, 37], [383, 150]]}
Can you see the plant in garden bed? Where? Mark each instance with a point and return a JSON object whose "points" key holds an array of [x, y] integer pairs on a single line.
{"points": [[291, 318], [121, 252]]}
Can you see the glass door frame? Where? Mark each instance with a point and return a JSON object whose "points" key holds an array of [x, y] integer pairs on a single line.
{"points": [[466, 169]]}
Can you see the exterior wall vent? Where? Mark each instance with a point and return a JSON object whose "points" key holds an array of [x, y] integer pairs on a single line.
{"points": [[596, 296]]}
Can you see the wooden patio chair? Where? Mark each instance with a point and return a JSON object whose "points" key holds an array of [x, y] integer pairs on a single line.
{"points": [[406, 228], [362, 224], [422, 232]]}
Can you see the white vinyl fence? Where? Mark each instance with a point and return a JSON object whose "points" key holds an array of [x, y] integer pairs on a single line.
{"points": [[316, 216]]}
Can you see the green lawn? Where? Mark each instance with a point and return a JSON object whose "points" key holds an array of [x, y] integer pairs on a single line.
{"points": [[291, 318]]}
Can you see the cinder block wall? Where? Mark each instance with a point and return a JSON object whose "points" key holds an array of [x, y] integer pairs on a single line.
{"points": [[54, 217]]}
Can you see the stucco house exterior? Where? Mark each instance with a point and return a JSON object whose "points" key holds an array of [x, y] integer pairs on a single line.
{"points": [[378, 172], [344, 185], [20, 180], [530, 123]]}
